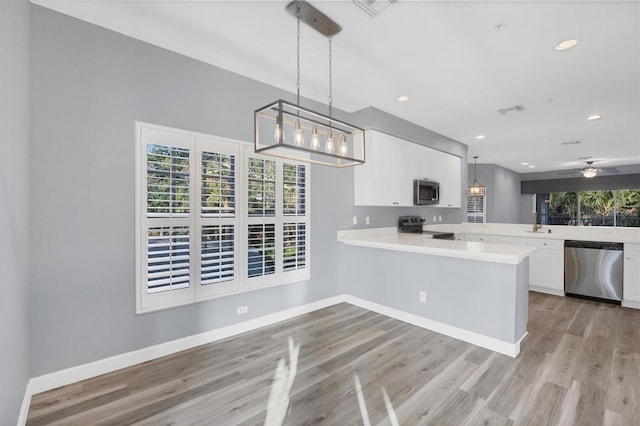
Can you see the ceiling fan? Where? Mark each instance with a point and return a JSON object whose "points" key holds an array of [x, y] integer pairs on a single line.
{"points": [[590, 171]]}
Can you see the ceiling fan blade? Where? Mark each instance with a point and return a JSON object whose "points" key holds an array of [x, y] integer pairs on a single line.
{"points": [[570, 172]]}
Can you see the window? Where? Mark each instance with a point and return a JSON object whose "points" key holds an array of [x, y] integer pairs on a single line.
{"points": [[594, 208], [476, 211], [211, 218], [277, 220]]}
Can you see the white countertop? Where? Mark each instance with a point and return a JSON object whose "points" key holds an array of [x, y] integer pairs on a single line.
{"points": [[390, 239], [584, 233]]}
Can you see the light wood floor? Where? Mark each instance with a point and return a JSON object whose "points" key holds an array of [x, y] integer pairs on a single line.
{"points": [[580, 365]]}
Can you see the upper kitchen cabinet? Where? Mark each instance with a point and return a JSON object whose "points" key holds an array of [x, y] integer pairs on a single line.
{"points": [[386, 178], [448, 171]]}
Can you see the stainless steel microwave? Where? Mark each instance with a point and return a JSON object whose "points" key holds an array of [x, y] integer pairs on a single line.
{"points": [[425, 192]]}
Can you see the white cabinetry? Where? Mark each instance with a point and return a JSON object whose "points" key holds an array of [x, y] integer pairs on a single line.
{"points": [[480, 238], [631, 276], [448, 172], [386, 178], [511, 241], [422, 162], [546, 266]]}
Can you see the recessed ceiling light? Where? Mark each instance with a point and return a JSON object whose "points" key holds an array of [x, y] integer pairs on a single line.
{"points": [[480, 137], [567, 44], [594, 117], [531, 166], [524, 164], [403, 98]]}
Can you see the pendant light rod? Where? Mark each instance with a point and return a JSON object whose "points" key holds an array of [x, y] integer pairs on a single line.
{"points": [[330, 81], [298, 14], [475, 168], [314, 18]]}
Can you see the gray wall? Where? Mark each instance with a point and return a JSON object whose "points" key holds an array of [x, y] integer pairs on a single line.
{"points": [[483, 293], [503, 192], [88, 87], [14, 207]]}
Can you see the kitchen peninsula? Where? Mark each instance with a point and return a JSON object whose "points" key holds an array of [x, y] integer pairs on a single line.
{"points": [[473, 291]]}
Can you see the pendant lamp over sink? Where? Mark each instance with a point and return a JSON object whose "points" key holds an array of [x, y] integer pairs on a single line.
{"points": [[475, 190], [287, 130]]}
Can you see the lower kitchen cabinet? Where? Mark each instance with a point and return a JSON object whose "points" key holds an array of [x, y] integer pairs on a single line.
{"points": [[480, 238], [511, 241], [631, 276], [546, 266]]}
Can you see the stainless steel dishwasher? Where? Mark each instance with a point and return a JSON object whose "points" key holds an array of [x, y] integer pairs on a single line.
{"points": [[593, 270]]}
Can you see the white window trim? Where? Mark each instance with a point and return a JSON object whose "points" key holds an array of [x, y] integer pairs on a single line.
{"points": [[476, 214], [196, 142]]}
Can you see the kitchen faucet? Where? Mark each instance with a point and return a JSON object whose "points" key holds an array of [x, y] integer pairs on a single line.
{"points": [[534, 220]]}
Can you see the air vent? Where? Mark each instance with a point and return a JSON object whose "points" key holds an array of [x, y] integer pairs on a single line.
{"points": [[516, 108], [571, 143], [374, 7], [585, 158]]}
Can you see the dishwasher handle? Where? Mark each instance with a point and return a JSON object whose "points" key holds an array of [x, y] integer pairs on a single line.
{"points": [[598, 245]]}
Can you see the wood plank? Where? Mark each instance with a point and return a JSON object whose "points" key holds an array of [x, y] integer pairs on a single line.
{"points": [[425, 402], [547, 406], [583, 320], [564, 361], [590, 408], [595, 361], [487, 417], [623, 393], [520, 381]]}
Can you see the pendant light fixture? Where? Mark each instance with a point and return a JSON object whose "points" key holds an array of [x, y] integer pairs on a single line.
{"points": [[287, 130], [475, 190]]}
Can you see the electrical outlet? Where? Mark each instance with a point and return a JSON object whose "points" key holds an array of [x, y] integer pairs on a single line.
{"points": [[439, 218], [242, 310], [367, 221], [423, 297], [355, 220], [434, 218]]}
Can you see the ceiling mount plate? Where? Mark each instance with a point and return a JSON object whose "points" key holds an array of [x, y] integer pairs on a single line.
{"points": [[314, 18]]}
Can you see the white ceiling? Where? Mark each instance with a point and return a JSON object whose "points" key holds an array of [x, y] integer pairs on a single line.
{"points": [[459, 62]]}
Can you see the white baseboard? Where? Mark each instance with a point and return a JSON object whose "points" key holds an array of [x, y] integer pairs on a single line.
{"points": [[26, 402], [510, 349], [81, 372], [546, 290], [106, 365], [631, 304]]}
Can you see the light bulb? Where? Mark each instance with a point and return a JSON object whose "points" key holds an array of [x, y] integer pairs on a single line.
{"points": [[343, 146], [277, 134], [329, 147], [314, 138], [299, 139]]}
